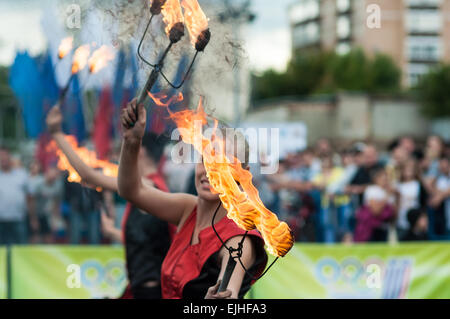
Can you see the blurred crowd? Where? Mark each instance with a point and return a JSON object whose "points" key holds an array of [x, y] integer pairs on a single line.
{"points": [[362, 193], [358, 193]]}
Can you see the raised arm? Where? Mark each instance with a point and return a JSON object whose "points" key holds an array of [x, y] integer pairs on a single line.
{"points": [[88, 174], [166, 206]]}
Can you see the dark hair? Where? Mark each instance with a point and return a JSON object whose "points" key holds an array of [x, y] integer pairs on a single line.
{"points": [[154, 145], [376, 171], [413, 216], [443, 157], [393, 145]]}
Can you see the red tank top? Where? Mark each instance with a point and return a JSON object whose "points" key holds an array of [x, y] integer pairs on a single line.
{"points": [[184, 261]]}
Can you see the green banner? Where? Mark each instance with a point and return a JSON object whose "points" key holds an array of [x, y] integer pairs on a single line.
{"points": [[60, 272], [3, 279], [359, 271]]}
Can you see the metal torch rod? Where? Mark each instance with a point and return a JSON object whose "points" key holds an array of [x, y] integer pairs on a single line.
{"points": [[63, 93], [227, 275], [153, 76]]}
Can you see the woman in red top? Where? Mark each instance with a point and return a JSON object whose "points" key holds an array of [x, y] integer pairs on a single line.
{"points": [[196, 259], [146, 239]]}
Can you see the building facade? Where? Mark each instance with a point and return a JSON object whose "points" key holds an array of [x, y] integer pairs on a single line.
{"points": [[415, 33]]}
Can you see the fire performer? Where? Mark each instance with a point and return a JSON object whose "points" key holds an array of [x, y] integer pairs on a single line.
{"points": [[197, 258], [146, 238]]}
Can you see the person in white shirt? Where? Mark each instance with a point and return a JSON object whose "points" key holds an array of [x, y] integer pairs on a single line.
{"points": [[13, 201], [411, 194]]}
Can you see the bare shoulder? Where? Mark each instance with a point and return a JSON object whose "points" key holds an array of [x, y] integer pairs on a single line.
{"points": [[189, 203]]}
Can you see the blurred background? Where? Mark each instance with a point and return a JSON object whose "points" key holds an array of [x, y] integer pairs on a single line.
{"points": [[358, 90]]}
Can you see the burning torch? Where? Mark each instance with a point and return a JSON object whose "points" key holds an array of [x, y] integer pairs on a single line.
{"points": [[65, 47], [197, 25], [97, 61], [79, 61]]}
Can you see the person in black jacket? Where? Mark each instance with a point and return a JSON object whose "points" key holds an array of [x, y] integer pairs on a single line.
{"points": [[418, 226]]}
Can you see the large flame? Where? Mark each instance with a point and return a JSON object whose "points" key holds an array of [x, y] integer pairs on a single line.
{"points": [[100, 58], [88, 157], [195, 19], [233, 183], [65, 47], [80, 58], [171, 11]]}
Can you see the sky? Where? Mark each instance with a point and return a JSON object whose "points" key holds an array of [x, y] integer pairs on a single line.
{"points": [[270, 34], [21, 28]]}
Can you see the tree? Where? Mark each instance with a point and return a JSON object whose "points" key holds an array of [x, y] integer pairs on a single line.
{"points": [[313, 72], [433, 92], [8, 102]]}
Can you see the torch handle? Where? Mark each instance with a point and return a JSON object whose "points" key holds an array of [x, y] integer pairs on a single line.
{"points": [[148, 86], [227, 275], [63, 93], [153, 77]]}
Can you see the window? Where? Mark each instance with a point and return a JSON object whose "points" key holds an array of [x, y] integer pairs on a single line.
{"points": [[306, 34], [343, 27], [343, 48], [424, 21], [423, 3], [415, 72], [424, 49], [304, 10], [343, 5]]}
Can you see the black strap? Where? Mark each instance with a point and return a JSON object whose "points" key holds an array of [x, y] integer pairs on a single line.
{"points": [[238, 250]]}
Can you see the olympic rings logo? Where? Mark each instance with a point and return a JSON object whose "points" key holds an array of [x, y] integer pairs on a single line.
{"points": [[92, 274]]}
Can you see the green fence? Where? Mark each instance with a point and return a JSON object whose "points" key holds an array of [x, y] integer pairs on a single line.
{"points": [[419, 270]]}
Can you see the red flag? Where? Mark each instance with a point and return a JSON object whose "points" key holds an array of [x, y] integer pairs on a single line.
{"points": [[45, 157], [103, 124]]}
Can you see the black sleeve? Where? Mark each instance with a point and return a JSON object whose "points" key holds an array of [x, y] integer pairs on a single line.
{"points": [[423, 196]]}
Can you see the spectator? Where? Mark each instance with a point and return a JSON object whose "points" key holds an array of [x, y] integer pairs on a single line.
{"points": [[34, 179], [409, 145], [378, 211], [368, 164], [430, 162], [46, 205], [440, 199], [13, 201], [83, 215], [325, 182], [418, 226], [323, 148], [398, 157], [412, 194]]}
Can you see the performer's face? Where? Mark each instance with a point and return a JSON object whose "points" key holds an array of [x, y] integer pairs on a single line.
{"points": [[202, 184]]}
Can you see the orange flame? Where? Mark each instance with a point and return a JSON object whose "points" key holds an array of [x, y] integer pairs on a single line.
{"points": [[100, 58], [171, 11], [195, 19], [158, 97], [88, 157], [80, 58], [65, 47], [233, 183]]}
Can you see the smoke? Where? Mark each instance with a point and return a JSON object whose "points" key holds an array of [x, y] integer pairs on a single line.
{"points": [[121, 22]]}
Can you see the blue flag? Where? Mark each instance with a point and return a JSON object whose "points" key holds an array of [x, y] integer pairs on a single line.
{"points": [[25, 81], [72, 110]]}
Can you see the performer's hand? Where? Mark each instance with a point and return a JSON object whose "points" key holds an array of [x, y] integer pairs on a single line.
{"points": [[107, 223], [214, 294], [133, 127], [54, 120]]}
